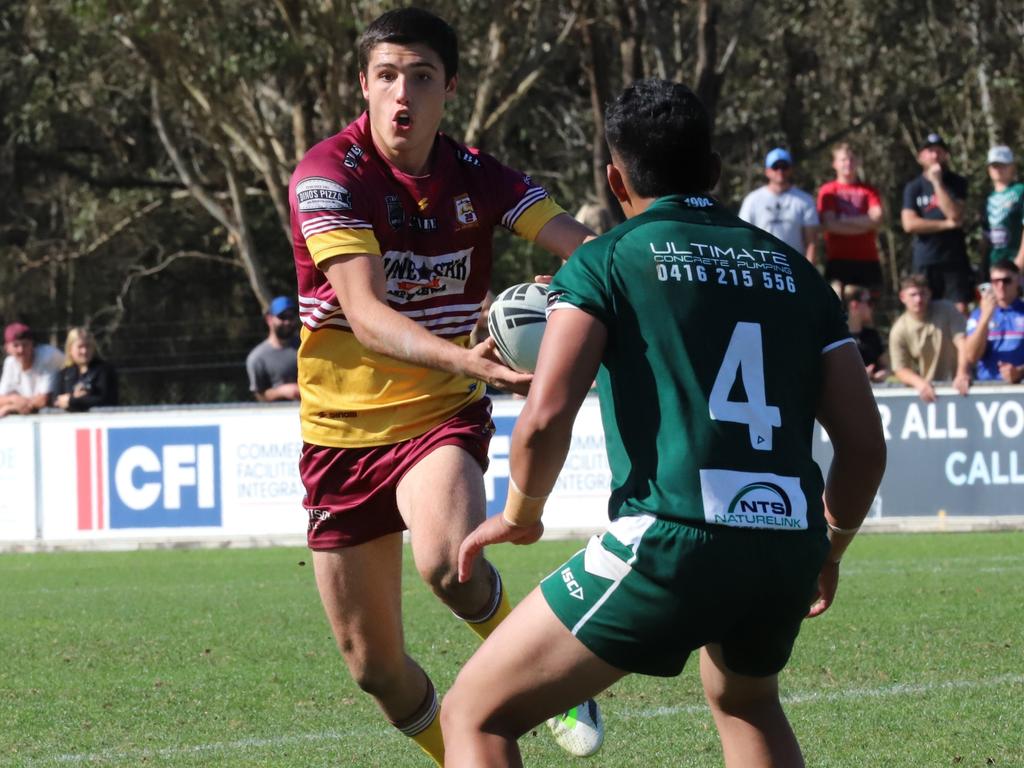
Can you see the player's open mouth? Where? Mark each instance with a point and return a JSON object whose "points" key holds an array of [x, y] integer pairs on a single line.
{"points": [[403, 120]]}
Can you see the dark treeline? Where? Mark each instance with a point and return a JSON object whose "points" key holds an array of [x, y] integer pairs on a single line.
{"points": [[146, 146]]}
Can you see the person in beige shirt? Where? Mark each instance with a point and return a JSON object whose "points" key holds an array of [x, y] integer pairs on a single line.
{"points": [[927, 342]]}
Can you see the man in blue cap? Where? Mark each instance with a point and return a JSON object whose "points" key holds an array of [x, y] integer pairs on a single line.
{"points": [[272, 364], [781, 209]]}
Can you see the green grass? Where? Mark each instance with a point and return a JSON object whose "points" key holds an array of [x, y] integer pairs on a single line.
{"points": [[223, 658]]}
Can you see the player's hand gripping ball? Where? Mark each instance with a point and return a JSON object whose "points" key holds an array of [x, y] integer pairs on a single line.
{"points": [[516, 323]]}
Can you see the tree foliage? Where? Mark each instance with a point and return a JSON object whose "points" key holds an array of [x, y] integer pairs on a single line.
{"points": [[146, 145]]}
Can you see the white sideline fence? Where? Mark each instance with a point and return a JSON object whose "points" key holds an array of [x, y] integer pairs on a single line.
{"points": [[227, 476]]}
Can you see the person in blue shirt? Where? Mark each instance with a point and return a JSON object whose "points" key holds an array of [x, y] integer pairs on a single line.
{"points": [[995, 330]]}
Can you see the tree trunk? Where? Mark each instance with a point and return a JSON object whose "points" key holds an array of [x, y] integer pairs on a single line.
{"points": [[595, 64]]}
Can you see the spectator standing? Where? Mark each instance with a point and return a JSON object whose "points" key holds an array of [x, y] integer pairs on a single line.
{"points": [[851, 214], [860, 320], [1002, 219], [995, 330], [272, 364], [28, 370], [781, 209], [926, 343], [933, 212], [86, 381]]}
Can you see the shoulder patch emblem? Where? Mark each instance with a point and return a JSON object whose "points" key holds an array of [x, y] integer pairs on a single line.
{"points": [[468, 158], [319, 194]]}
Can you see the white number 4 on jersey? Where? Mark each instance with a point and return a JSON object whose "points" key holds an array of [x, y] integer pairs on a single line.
{"points": [[744, 358]]}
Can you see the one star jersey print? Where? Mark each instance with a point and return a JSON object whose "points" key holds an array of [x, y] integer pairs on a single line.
{"points": [[433, 235]]}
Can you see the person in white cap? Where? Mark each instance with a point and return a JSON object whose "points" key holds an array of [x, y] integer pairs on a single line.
{"points": [[781, 209], [1002, 219]]}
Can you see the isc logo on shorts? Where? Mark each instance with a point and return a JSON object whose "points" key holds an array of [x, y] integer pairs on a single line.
{"points": [[571, 584], [153, 477], [753, 500]]}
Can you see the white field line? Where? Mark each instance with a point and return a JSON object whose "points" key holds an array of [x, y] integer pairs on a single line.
{"points": [[851, 568], [136, 756], [848, 694]]}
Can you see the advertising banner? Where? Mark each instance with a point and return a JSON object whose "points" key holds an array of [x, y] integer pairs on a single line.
{"points": [[959, 456], [579, 500], [171, 473], [232, 472], [17, 479]]}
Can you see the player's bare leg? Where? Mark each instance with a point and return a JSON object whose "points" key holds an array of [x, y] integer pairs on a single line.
{"points": [[360, 588], [529, 669], [442, 499], [751, 723]]}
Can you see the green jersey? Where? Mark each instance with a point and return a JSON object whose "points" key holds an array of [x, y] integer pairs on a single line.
{"points": [[712, 371], [1002, 222]]}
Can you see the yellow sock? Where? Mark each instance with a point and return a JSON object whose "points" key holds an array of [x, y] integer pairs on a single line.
{"points": [[431, 741], [424, 726], [501, 608]]}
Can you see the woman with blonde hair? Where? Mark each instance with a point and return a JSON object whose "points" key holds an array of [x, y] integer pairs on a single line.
{"points": [[86, 380]]}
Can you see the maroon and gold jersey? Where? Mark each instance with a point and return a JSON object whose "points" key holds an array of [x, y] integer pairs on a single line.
{"points": [[434, 236]]}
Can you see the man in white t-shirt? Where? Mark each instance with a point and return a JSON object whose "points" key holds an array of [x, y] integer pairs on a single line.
{"points": [[26, 380], [781, 209]]}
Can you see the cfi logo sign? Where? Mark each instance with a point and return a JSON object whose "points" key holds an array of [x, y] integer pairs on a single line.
{"points": [[156, 477]]}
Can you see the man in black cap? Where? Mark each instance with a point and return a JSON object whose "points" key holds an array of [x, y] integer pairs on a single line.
{"points": [[933, 212]]}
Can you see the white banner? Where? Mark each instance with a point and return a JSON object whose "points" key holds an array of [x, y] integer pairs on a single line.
{"points": [[180, 474], [232, 473], [17, 479], [579, 500]]}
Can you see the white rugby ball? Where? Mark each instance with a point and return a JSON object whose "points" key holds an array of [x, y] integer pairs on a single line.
{"points": [[516, 322]]}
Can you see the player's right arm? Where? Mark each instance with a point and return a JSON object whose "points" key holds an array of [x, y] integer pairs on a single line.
{"points": [[976, 340], [848, 413], [359, 285]]}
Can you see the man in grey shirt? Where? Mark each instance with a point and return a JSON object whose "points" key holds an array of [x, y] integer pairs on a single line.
{"points": [[272, 366], [781, 209]]}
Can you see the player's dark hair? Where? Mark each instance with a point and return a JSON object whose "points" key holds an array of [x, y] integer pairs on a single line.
{"points": [[409, 26], [662, 134], [1004, 265]]}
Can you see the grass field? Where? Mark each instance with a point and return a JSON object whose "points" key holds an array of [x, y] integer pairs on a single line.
{"points": [[223, 658]]}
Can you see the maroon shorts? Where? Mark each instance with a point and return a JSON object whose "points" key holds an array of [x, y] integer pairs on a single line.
{"points": [[351, 492]]}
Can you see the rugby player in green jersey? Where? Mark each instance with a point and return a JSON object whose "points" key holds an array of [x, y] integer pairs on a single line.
{"points": [[718, 347]]}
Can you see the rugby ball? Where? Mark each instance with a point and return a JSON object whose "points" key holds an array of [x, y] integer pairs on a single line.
{"points": [[516, 323]]}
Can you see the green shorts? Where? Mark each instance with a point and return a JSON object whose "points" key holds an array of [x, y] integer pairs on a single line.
{"points": [[648, 592]]}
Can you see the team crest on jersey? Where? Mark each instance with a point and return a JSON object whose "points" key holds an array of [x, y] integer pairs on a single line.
{"points": [[411, 277], [464, 213], [396, 214], [319, 194], [352, 156]]}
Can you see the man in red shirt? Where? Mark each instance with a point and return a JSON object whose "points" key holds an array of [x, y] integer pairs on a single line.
{"points": [[851, 214]]}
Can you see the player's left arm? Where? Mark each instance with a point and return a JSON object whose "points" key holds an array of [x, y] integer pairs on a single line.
{"points": [[562, 235], [570, 355]]}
